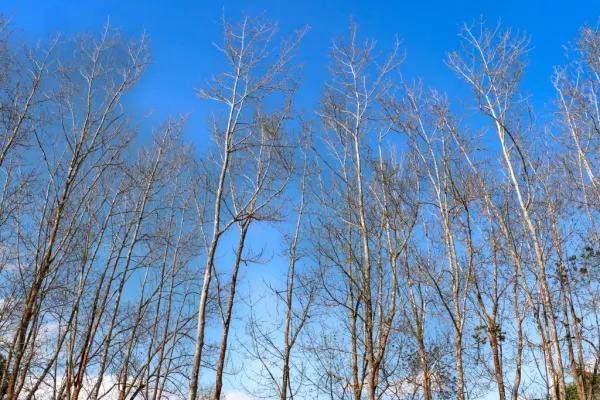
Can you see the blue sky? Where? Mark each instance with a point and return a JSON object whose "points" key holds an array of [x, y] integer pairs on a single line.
{"points": [[182, 33]]}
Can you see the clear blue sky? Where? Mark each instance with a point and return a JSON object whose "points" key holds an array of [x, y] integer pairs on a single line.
{"points": [[182, 33]]}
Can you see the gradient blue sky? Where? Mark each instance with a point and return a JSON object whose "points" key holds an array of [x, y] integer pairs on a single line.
{"points": [[182, 33]]}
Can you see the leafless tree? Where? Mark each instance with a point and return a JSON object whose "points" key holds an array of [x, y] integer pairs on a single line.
{"points": [[369, 214], [430, 247], [257, 71]]}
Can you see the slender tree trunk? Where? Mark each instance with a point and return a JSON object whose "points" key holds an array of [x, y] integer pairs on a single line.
{"points": [[216, 233], [227, 321]]}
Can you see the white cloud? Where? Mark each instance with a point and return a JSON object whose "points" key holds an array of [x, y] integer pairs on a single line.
{"points": [[236, 395]]}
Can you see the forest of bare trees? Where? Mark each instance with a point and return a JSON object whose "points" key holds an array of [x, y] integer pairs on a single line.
{"points": [[428, 247]]}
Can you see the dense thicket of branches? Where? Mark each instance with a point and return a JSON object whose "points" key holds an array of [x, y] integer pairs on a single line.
{"points": [[427, 247]]}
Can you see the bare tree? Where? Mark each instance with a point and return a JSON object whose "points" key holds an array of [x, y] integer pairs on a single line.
{"points": [[427, 252], [257, 72], [88, 134], [281, 372], [370, 214]]}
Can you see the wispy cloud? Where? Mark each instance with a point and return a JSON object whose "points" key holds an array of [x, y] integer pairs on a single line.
{"points": [[237, 395]]}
